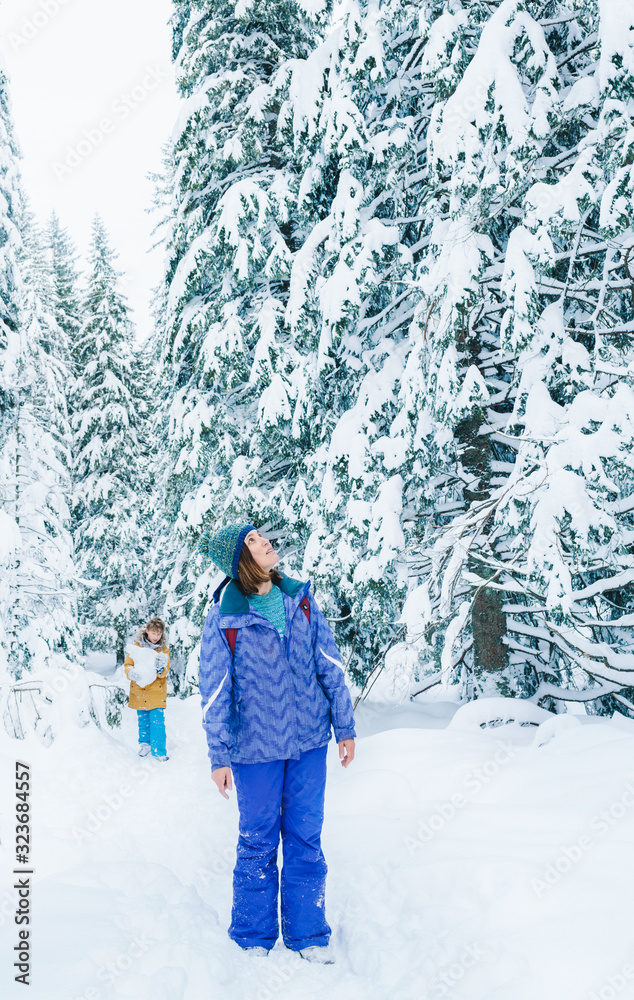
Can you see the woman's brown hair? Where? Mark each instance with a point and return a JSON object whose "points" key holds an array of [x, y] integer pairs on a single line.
{"points": [[250, 575]]}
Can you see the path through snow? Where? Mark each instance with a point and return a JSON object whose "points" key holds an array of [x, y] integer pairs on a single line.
{"points": [[437, 839]]}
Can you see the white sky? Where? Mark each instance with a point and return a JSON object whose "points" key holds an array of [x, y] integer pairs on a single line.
{"points": [[94, 101]]}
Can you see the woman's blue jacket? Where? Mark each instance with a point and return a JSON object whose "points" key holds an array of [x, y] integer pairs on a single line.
{"points": [[277, 695]]}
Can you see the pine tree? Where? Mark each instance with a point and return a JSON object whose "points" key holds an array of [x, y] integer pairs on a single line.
{"points": [[38, 625], [111, 461], [14, 375], [527, 362], [226, 353], [64, 280], [398, 279], [46, 603], [355, 137]]}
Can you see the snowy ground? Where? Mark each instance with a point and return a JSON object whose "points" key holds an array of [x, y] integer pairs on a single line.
{"points": [[464, 862]]}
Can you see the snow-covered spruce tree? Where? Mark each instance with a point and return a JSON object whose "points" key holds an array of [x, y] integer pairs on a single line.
{"points": [[64, 280], [46, 600], [111, 463], [226, 353], [38, 619], [162, 548], [527, 359], [354, 117], [149, 394], [12, 363]]}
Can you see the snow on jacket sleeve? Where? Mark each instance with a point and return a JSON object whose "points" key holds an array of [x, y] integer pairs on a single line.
{"points": [[215, 681], [330, 674]]}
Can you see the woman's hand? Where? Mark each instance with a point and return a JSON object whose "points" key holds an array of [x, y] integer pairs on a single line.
{"points": [[222, 778], [346, 752]]}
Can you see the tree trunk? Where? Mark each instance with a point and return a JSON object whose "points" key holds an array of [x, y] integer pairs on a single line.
{"points": [[490, 652]]}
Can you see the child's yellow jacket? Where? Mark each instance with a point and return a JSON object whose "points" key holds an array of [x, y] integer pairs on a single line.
{"points": [[155, 694]]}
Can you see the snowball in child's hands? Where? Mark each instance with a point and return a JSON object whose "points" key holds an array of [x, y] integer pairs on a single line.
{"points": [[144, 665]]}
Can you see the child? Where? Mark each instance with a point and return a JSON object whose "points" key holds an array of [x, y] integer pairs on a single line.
{"points": [[150, 701], [272, 686]]}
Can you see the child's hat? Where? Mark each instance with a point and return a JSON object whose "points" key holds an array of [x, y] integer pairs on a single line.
{"points": [[224, 547]]}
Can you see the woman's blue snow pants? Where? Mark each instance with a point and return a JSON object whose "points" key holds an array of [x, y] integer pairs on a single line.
{"points": [[287, 797]]}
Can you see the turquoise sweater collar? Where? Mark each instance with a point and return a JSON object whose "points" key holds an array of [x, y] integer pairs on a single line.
{"points": [[233, 602]]}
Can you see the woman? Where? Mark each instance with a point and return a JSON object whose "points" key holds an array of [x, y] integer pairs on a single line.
{"points": [[272, 685]]}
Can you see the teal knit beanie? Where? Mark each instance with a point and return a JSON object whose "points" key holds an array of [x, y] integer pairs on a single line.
{"points": [[224, 547]]}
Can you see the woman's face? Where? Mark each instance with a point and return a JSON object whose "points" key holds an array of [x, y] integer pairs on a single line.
{"points": [[154, 634], [262, 551]]}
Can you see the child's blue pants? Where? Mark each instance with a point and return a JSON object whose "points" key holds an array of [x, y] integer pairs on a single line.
{"points": [[152, 729], [287, 797]]}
